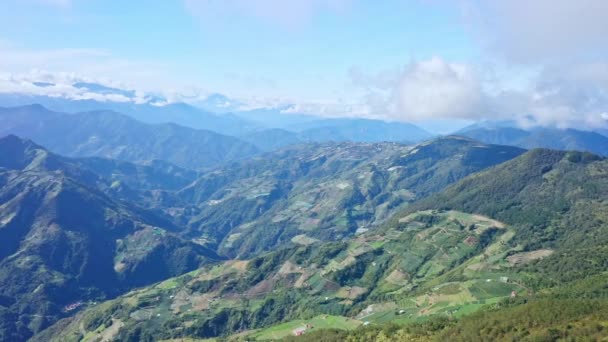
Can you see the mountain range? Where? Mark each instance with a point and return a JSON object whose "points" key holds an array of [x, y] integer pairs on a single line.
{"points": [[220, 114], [539, 137], [118, 227], [154, 111], [117, 136], [541, 260], [92, 228], [336, 130]]}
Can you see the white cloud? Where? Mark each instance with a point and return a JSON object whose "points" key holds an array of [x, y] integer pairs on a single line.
{"points": [[60, 85], [538, 31], [87, 64], [434, 89], [565, 40], [572, 96], [330, 109], [576, 96], [424, 90]]}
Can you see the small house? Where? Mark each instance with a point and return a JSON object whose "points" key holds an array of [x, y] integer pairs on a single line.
{"points": [[299, 331]]}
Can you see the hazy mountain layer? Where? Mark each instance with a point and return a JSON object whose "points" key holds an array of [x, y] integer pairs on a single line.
{"points": [[112, 135], [152, 113], [558, 139]]}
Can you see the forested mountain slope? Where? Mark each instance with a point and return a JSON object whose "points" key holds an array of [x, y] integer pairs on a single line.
{"points": [[439, 259], [324, 191], [64, 240]]}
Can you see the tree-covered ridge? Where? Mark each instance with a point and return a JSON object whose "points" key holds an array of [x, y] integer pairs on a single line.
{"points": [[553, 199], [428, 261], [555, 203], [109, 175], [65, 240], [324, 191]]}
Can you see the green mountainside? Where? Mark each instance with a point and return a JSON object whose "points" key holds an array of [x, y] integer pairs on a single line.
{"points": [[523, 243], [325, 191], [20, 154], [142, 223], [449, 239], [65, 241], [554, 199], [430, 263]]}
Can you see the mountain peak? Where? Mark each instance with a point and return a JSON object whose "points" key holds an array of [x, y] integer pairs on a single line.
{"points": [[14, 141], [18, 153], [31, 107]]}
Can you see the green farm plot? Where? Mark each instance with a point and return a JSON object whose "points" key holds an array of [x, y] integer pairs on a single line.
{"points": [[304, 240], [450, 289], [169, 284], [318, 323], [186, 339], [447, 267], [492, 289]]}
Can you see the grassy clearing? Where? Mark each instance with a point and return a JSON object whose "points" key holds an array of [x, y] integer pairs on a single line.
{"points": [[317, 323], [168, 284]]}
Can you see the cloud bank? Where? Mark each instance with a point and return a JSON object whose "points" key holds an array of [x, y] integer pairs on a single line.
{"points": [[434, 88], [68, 86], [540, 31], [437, 89], [560, 45]]}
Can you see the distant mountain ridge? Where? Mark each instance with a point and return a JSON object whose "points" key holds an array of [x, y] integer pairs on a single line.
{"points": [[149, 112], [221, 114], [117, 136], [337, 130], [559, 139]]}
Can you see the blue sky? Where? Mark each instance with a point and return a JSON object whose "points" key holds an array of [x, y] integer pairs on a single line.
{"points": [[397, 59], [307, 54]]}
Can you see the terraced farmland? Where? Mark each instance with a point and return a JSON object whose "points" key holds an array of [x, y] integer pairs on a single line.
{"points": [[428, 263]]}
